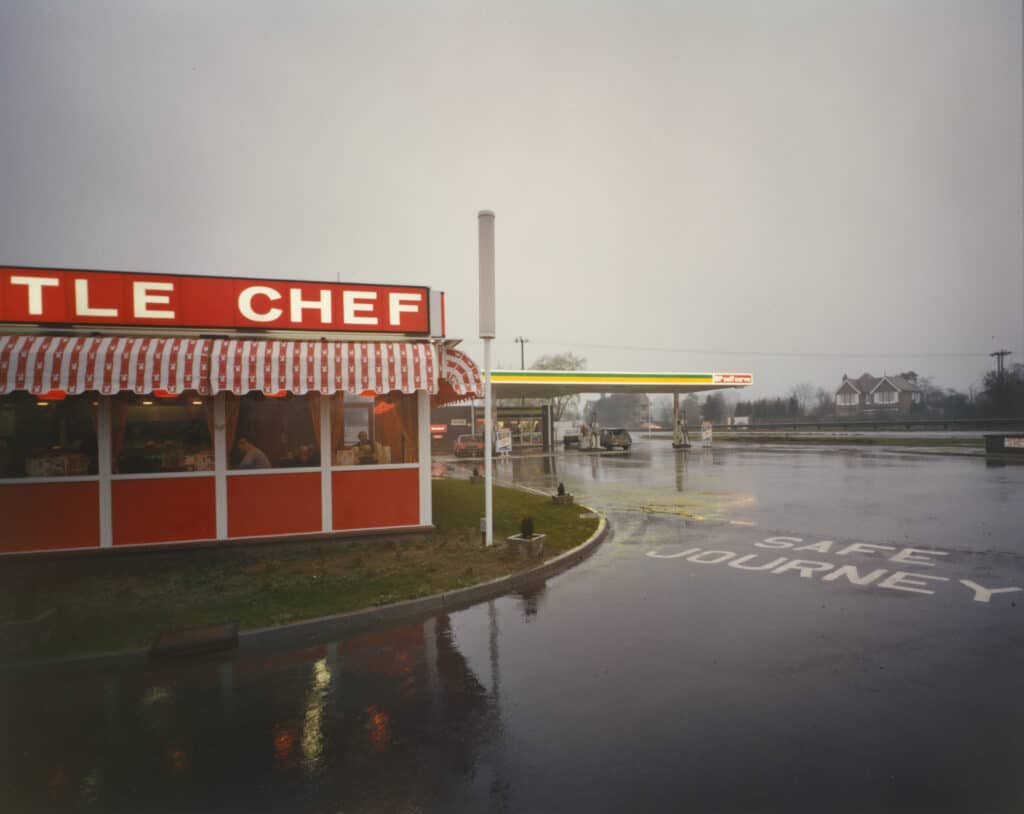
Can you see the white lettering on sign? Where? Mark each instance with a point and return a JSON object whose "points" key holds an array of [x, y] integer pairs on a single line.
{"points": [[399, 304], [732, 378], [1013, 443], [35, 291], [245, 304], [143, 297], [82, 307], [355, 303], [323, 305], [906, 581]]}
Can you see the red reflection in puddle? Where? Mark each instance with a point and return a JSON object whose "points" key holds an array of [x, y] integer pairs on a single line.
{"points": [[379, 727]]}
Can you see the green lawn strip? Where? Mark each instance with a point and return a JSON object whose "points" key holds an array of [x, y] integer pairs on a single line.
{"points": [[113, 603]]}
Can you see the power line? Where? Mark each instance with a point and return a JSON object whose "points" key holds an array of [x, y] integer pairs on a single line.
{"points": [[766, 353]]}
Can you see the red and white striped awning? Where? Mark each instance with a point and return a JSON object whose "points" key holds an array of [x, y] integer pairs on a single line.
{"points": [[241, 366], [40, 364], [461, 373], [75, 364]]}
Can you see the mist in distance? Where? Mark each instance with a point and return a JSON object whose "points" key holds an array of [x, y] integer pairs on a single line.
{"points": [[793, 189]]}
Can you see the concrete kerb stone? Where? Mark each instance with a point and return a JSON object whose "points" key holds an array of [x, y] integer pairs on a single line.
{"points": [[361, 620]]}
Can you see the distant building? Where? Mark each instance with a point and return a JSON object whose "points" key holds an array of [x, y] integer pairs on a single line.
{"points": [[871, 396]]}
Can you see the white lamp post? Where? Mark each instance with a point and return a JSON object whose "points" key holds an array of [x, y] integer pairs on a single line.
{"points": [[485, 225]]}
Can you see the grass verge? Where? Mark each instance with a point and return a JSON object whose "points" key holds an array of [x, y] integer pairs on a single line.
{"points": [[103, 603]]}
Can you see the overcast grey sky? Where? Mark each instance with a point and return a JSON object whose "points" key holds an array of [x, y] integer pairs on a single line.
{"points": [[791, 188]]}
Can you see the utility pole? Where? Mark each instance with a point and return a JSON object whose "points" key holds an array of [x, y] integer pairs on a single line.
{"points": [[999, 354], [522, 340]]}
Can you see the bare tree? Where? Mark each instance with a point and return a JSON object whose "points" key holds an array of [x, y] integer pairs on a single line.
{"points": [[560, 361], [804, 394], [824, 402]]}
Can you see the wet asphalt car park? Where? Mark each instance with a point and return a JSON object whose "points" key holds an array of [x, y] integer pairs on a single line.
{"points": [[765, 629]]}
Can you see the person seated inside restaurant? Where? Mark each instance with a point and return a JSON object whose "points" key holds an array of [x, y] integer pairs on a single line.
{"points": [[252, 456], [308, 456], [365, 452]]}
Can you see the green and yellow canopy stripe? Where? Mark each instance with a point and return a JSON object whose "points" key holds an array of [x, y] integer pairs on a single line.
{"points": [[539, 383]]}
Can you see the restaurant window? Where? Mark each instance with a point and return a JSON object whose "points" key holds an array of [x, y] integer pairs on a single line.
{"points": [[271, 431], [49, 436], [374, 429], [161, 433]]}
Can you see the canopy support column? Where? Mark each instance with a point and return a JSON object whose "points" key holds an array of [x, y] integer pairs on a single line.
{"points": [[680, 438]]}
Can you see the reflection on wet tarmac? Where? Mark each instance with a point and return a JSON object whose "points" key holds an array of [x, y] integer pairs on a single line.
{"points": [[629, 682], [388, 715]]}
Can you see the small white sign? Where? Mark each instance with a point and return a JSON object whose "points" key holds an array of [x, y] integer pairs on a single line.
{"points": [[1014, 443], [705, 432], [459, 422]]}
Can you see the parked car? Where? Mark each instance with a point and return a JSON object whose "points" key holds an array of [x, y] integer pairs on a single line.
{"points": [[616, 438], [469, 446]]}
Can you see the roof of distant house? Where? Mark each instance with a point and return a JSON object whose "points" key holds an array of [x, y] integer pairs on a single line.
{"points": [[866, 383]]}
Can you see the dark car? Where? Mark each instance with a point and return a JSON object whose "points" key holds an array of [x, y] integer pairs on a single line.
{"points": [[469, 446], [616, 438]]}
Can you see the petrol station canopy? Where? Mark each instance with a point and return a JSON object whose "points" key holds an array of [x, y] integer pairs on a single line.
{"points": [[548, 383]]}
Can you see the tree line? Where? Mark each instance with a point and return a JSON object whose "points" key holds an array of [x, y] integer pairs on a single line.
{"points": [[1001, 396]]}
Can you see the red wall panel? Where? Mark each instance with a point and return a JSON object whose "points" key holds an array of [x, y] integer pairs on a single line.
{"points": [[164, 509], [273, 504], [365, 499], [41, 516]]}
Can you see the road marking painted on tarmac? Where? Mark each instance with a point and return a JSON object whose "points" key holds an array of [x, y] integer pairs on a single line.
{"points": [[743, 523], [985, 594], [907, 581]]}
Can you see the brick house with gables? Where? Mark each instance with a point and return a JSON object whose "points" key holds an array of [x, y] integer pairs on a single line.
{"points": [[871, 396]]}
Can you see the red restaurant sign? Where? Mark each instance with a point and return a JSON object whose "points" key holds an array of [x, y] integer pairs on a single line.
{"points": [[63, 296]]}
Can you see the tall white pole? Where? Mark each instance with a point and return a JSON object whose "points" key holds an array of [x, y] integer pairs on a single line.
{"points": [[488, 451], [485, 227]]}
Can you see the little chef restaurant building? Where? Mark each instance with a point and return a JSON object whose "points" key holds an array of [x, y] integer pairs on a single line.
{"points": [[142, 409]]}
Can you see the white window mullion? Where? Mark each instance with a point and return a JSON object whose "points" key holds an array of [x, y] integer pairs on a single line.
{"points": [[423, 436], [326, 507], [104, 468]]}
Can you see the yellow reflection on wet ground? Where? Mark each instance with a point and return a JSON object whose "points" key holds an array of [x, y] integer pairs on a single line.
{"points": [[312, 729]]}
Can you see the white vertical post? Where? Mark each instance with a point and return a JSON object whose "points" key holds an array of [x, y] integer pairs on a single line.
{"points": [[485, 232], [105, 468], [220, 464], [423, 444], [488, 450], [326, 453]]}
